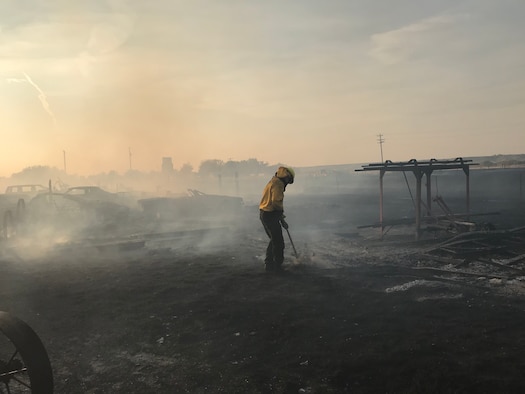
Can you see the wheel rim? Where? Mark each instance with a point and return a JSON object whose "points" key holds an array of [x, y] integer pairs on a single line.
{"points": [[14, 376], [24, 363]]}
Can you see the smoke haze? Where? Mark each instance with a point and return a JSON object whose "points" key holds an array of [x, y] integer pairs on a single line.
{"points": [[309, 84]]}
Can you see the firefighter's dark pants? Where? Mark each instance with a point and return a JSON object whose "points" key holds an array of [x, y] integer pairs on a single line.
{"points": [[275, 250]]}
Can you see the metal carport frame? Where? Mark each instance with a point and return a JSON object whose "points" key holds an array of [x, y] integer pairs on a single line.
{"points": [[419, 168]]}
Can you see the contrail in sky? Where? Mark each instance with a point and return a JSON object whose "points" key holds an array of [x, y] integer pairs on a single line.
{"points": [[41, 95]]}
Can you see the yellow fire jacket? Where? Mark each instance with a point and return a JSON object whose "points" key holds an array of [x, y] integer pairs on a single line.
{"points": [[273, 193]]}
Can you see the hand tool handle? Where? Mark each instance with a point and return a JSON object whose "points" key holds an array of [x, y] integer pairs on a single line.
{"points": [[293, 246]]}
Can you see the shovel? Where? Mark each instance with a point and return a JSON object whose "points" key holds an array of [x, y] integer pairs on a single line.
{"points": [[293, 246]]}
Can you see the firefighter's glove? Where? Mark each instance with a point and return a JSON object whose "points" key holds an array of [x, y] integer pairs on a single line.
{"points": [[283, 223]]}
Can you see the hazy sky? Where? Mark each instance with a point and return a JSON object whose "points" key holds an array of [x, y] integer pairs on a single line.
{"points": [[301, 82]]}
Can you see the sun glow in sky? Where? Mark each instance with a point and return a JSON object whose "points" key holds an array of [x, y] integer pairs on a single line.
{"points": [[302, 82]]}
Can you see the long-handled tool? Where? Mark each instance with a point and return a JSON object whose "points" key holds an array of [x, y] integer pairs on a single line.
{"points": [[293, 246]]}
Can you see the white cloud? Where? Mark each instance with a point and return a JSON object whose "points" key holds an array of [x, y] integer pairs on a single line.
{"points": [[397, 45]]}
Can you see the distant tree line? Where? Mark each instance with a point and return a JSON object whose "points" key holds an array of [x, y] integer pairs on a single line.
{"points": [[231, 168], [207, 167], [60, 180], [503, 163]]}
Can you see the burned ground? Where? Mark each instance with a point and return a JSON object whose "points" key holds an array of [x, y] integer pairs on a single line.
{"points": [[194, 311]]}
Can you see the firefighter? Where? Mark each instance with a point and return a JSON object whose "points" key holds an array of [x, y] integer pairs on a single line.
{"points": [[271, 212]]}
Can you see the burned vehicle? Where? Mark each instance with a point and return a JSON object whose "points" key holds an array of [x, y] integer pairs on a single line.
{"points": [[91, 193], [68, 214], [95, 193], [13, 205], [194, 206], [26, 191]]}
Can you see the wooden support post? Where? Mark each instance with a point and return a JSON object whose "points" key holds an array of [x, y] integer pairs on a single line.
{"points": [[521, 185], [381, 175], [468, 194], [418, 175], [429, 193], [467, 186]]}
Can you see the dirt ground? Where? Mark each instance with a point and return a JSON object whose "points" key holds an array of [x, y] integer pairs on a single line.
{"points": [[196, 313]]}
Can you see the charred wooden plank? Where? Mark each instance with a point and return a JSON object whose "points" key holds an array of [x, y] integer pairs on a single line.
{"points": [[499, 265]]}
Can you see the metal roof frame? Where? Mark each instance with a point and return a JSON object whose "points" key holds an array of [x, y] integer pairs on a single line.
{"points": [[419, 168]]}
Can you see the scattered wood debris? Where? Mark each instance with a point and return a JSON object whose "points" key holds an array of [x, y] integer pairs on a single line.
{"points": [[486, 252]]}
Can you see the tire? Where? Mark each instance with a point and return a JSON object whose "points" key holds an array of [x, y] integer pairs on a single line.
{"points": [[21, 211], [8, 225], [24, 363]]}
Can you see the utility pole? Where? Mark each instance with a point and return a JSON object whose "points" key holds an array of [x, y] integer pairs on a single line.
{"points": [[129, 151], [381, 140], [65, 168]]}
